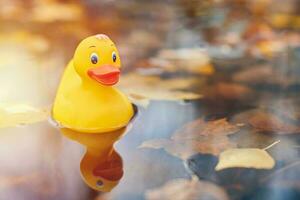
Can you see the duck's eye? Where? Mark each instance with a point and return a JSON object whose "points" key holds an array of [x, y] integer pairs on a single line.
{"points": [[114, 56], [94, 58]]}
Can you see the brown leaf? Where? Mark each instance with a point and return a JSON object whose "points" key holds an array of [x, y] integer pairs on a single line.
{"points": [[230, 91], [182, 189], [267, 121], [199, 128], [186, 148], [263, 74], [197, 137], [271, 123]]}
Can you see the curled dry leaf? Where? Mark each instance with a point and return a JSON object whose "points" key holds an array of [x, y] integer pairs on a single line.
{"points": [[141, 88], [20, 114], [181, 189], [197, 137], [245, 158], [267, 121]]}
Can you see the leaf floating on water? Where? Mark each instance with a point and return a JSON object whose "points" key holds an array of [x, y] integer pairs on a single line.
{"points": [[199, 128], [267, 121], [230, 91], [197, 137], [263, 74], [155, 143], [20, 114], [245, 158], [182, 189], [272, 123], [193, 60], [52, 12], [141, 88]]}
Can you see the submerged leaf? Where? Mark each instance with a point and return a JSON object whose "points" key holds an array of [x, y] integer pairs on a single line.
{"points": [[267, 121], [245, 158], [230, 91], [199, 128], [20, 114], [181, 189], [197, 137], [193, 60]]}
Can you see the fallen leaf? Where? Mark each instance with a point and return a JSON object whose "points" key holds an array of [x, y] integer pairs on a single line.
{"points": [[264, 74], [182, 189], [199, 128], [186, 148], [141, 88], [20, 114], [197, 137], [271, 123], [38, 182], [287, 108], [230, 91], [194, 60], [267, 121], [245, 158], [51, 12]]}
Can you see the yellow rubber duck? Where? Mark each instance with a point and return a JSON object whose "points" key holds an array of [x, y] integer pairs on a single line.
{"points": [[85, 100], [92, 112]]}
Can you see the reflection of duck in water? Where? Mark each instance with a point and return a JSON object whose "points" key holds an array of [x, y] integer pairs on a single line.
{"points": [[93, 112], [101, 166]]}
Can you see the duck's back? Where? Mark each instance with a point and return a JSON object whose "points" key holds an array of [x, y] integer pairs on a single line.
{"points": [[89, 107]]}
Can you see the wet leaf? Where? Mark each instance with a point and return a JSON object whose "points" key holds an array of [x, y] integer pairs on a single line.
{"points": [[193, 60], [267, 121], [34, 181], [271, 123], [197, 137], [51, 12], [263, 74], [245, 158], [141, 88], [186, 148], [181, 189], [230, 91], [20, 114], [199, 128]]}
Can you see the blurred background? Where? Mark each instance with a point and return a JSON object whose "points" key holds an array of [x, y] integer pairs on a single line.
{"points": [[207, 76]]}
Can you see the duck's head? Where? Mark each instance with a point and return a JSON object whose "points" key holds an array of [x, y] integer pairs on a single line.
{"points": [[97, 59]]}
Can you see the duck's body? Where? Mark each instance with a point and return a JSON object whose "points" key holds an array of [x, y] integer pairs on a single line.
{"points": [[82, 103], [89, 107]]}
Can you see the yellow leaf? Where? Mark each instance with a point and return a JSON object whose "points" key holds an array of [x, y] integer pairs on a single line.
{"points": [[245, 158], [20, 114], [142, 88], [45, 13]]}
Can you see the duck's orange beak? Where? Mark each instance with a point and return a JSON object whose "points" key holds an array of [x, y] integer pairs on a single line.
{"points": [[106, 74]]}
